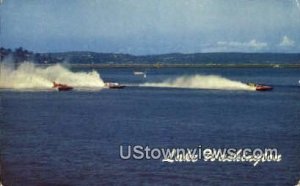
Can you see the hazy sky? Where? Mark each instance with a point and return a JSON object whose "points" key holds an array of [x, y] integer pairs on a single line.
{"points": [[152, 26]]}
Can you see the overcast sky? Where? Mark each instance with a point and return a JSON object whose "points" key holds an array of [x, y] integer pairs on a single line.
{"points": [[152, 26]]}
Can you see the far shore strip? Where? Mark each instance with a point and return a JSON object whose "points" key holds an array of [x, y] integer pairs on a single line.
{"points": [[159, 65]]}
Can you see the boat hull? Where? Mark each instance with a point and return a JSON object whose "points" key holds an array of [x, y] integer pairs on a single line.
{"points": [[61, 87], [260, 87], [263, 88], [65, 88], [117, 87], [111, 85]]}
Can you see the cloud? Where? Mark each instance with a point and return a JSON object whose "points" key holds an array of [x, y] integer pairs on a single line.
{"points": [[286, 42], [236, 46], [297, 3], [253, 44], [147, 27]]}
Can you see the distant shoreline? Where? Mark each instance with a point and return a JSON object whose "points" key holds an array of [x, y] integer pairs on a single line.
{"points": [[175, 60], [181, 65]]}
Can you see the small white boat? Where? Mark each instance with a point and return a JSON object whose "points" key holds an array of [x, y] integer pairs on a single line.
{"points": [[139, 73]]}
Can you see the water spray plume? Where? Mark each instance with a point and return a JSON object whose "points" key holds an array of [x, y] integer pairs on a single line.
{"points": [[201, 82], [29, 76]]}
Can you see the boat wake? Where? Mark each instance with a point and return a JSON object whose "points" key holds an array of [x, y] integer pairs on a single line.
{"points": [[29, 76], [201, 82]]}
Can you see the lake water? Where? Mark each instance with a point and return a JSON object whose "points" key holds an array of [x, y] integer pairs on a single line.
{"points": [[74, 138]]}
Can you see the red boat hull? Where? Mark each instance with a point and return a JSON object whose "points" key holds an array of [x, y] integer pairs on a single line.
{"points": [[62, 87], [263, 88], [65, 88], [117, 87]]}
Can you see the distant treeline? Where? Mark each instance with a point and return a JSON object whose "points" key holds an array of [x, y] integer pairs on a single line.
{"points": [[20, 55]]}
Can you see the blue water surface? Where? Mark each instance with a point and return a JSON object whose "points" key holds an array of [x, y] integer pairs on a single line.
{"points": [[74, 138]]}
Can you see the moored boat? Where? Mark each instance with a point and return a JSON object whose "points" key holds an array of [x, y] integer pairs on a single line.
{"points": [[140, 73]]}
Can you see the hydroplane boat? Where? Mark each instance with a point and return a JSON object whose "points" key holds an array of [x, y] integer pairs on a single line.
{"points": [[62, 87], [112, 85], [260, 87]]}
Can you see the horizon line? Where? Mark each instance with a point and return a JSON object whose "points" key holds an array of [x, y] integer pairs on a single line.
{"points": [[157, 54]]}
